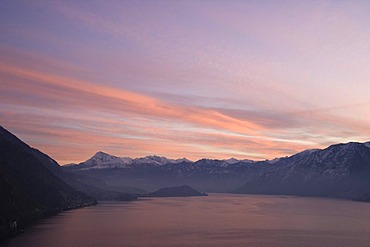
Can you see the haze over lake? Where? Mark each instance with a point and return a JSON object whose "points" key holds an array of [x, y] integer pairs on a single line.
{"points": [[216, 220]]}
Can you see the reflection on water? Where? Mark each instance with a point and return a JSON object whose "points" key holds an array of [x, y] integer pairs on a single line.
{"points": [[216, 220]]}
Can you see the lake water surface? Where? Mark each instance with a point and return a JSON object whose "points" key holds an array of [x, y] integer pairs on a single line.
{"points": [[219, 220]]}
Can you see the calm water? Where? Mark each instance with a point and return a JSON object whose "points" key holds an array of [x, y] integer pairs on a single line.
{"points": [[217, 220]]}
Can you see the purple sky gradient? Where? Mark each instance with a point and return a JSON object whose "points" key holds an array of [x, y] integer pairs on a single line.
{"points": [[215, 79]]}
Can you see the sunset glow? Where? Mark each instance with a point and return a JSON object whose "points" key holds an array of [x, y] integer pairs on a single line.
{"points": [[195, 79]]}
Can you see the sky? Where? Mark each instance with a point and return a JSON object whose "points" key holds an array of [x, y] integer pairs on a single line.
{"points": [[196, 79]]}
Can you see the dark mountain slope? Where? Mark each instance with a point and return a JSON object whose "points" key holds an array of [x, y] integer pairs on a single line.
{"points": [[341, 170], [29, 190]]}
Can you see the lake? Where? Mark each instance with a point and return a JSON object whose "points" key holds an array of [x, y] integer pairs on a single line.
{"points": [[217, 220]]}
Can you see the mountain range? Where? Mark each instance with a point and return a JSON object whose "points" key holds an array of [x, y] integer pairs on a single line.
{"points": [[340, 170], [153, 172]]}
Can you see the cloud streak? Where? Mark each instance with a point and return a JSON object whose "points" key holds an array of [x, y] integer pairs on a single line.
{"points": [[184, 78]]}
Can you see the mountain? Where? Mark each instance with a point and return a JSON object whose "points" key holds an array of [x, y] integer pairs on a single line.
{"points": [[177, 191], [341, 170], [153, 172], [103, 160], [29, 190]]}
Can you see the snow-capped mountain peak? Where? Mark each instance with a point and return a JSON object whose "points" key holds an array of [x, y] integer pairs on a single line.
{"points": [[102, 160], [103, 157], [153, 159]]}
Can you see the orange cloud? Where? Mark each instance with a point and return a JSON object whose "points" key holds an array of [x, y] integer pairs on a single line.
{"points": [[129, 101], [71, 119]]}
